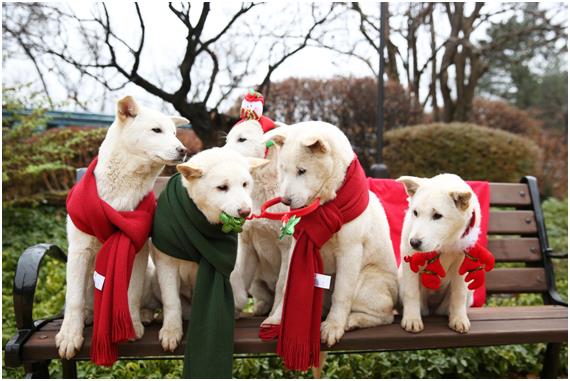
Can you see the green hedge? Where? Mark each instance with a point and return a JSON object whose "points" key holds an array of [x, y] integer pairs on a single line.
{"points": [[40, 166], [470, 151]]}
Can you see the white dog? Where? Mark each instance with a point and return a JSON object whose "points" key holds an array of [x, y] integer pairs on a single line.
{"points": [[136, 148], [262, 256], [312, 163], [440, 212], [217, 180]]}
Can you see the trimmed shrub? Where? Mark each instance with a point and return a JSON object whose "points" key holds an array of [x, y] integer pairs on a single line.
{"points": [[41, 166], [470, 151]]}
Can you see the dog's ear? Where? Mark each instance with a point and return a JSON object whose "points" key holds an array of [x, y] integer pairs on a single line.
{"points": [[189, 171], [127, 108], [256, 163], [316, 144], [411, 184], [461, 199], [179, 121]]}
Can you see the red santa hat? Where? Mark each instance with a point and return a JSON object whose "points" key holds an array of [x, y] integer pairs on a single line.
{"points": [[252, 109]]}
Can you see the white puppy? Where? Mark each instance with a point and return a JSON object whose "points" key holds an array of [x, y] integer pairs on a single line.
{"points": [[261, 254], [217, 180], [313, 160], [137, 146], [440, 212]]}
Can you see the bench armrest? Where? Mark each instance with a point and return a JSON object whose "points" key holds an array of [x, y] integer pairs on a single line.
{"points": [[552, 296], [26, 279], [25, 282], [557, 255]]}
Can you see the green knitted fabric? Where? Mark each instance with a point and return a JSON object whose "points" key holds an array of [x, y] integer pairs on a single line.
{"points": [[182, 231]]}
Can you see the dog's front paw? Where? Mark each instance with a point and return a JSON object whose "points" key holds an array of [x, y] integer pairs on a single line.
{"points": [[459, 324], [170, 337], [413, 324], [331, 332], [261, 308], [68, 342], [272, 320]]}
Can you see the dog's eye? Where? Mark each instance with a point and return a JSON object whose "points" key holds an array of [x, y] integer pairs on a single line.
{"points": [[301, 171], [223, 188], [245, 185], [436, 216], [241, 140], [157, 130], [415, 213]]}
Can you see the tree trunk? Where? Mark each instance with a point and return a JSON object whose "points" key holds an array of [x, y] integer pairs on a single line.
{"points": [[210, 126]]}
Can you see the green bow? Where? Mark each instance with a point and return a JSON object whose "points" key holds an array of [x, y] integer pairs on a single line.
{"points": [[288, 227], [231, 224]]}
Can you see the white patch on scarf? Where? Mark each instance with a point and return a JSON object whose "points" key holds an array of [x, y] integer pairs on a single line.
{"points": [[99, 280]]}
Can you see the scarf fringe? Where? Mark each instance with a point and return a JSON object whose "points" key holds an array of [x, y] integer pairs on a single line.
{"points": [[103, 352], [299, 355], [269, 332], [123, 328]]}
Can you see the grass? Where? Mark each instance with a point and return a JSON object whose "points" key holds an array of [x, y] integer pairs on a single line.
{"points": [[23, 227]]}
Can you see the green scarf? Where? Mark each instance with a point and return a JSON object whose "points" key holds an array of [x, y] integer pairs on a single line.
{"points": [[182, 231]]}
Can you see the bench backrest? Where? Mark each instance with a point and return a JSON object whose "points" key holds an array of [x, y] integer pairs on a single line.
{"points": [[517, 235]]}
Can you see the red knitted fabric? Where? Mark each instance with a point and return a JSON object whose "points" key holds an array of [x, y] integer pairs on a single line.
{"points": [[123, 234], [299, 332]]}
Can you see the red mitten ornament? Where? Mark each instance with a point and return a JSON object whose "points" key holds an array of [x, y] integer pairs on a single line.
{"points": [[477, 260], [432, 273]]}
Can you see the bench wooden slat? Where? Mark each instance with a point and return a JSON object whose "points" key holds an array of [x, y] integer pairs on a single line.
{"points": [[489, 326], [515, 249], [507, 280], [511, 222], [509, 194]]}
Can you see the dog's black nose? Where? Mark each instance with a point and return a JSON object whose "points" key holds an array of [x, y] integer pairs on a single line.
{"points": [[286, 201], [244, 212], [416, 243], [182, 151]]}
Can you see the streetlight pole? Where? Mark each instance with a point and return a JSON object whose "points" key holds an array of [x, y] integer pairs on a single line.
{"points": [[379, 169]]}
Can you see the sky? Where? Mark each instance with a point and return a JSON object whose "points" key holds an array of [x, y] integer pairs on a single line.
{"points": [[165, 42]]}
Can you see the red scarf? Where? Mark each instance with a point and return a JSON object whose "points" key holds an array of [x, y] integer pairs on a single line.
{"points": [[123, 234], [299, 332], [476, 261]]}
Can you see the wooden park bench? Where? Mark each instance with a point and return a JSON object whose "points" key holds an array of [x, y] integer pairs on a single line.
{"points": [[517, 236]]}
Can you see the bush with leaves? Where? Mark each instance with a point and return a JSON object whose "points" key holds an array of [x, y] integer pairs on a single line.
{"points": [[42, 165], [553, 141], [504, 116], [470, 151], [39, 164]]}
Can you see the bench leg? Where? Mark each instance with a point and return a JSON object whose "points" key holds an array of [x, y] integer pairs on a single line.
{"points": [[551, 364], [37, 369], [69, 368]]}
